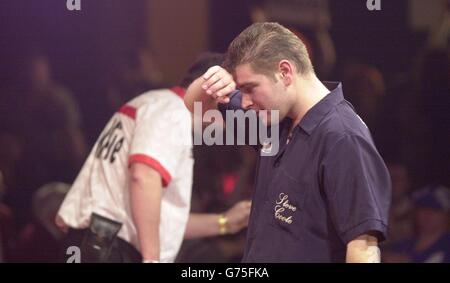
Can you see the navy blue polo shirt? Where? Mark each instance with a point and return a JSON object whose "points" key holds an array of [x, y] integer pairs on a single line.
{"points": [[324, 188]]}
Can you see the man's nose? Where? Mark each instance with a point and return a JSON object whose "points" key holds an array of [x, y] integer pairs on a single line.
{"points": [[246, 102]]}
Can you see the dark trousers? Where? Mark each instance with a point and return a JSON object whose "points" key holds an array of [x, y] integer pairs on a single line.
{"points": [[120, 250]]}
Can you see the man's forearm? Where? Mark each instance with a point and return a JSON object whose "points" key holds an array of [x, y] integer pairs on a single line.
{"points": [[195, 93], [202, 225], [363, 249], [145, 197]]}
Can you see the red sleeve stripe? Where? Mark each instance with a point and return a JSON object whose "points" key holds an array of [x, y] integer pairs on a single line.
{"points": [[128, 111], [179, 91], [145, 159]]}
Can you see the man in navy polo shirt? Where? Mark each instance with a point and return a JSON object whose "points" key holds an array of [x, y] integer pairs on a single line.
{"points": [[324, 196]]}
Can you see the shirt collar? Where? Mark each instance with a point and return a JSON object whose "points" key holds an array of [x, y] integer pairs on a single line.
{"points": [[314, 115]]}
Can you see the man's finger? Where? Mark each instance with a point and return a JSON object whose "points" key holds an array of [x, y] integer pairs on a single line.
{"points": [[226, 90], [219, 85], [210, 82], [223, 99], [211, 71]]}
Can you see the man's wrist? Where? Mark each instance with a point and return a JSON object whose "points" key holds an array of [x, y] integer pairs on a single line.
{"points": [[222, 221]]}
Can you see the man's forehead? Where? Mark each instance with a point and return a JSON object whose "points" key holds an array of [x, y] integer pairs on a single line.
{"points": [[244, 75]]}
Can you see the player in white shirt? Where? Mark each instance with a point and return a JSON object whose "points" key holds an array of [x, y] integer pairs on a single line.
{"points": [[136, 182]]}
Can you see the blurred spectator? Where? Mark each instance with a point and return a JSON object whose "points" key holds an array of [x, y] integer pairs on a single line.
{"points": [[439, 36], [431, 243], [384, 108], [136, 73], [309, 20], [365, 88], [48, 124], [401, 213], [39, 240], [52, 114]]}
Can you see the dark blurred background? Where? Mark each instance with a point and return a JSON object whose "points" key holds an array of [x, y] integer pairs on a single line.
{"points": [[63, 73]]}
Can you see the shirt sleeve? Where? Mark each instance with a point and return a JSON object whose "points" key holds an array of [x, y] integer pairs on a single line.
{"points": [[161, 137], [357, 187], [234, 104]]}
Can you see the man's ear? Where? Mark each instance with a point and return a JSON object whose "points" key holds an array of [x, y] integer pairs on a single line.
{"points": [[286, 71]]}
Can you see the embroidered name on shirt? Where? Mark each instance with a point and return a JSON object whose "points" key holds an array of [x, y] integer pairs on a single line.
{"points": [[282, 206]]}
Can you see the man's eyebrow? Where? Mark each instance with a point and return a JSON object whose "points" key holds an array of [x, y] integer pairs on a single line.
{"points": [[246, 85]]}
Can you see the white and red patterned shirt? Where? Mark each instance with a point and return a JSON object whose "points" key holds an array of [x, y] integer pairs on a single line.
{"points": [[154, 129]]}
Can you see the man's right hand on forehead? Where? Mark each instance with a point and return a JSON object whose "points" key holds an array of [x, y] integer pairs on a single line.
{"points": [[218, 83]]}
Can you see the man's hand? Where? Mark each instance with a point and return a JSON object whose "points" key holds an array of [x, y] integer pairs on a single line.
{"points": [[218, 83], [363, 249], [211, 88], [207, 224], [237, 216]]}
